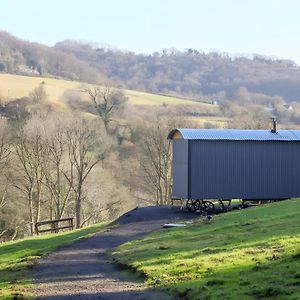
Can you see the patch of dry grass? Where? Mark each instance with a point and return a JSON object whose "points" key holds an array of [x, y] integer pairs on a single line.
{"points": [[13, 86]]}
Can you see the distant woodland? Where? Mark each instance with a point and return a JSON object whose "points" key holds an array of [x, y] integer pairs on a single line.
{"points": [[191, 73]]}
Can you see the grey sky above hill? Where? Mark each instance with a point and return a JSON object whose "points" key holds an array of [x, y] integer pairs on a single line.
{"points": [[270, 27]]}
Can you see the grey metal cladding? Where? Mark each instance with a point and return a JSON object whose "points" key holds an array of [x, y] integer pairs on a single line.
{"points": [[244, 169], [180, 169], [237, 135]]}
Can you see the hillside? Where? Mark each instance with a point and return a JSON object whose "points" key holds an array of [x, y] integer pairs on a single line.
{"points": [[63, 94], [248, 254], [16, 86], [191, 73], [18, 56]]}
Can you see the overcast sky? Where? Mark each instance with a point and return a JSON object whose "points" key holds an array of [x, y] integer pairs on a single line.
{"points": [[270, 27]]}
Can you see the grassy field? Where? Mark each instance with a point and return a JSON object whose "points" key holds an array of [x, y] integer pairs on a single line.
{"points": [[248, 254], [12, 86], [17, 257], [219, 122]]}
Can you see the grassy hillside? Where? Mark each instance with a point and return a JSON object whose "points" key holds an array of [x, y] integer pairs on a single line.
{"points": [[248, 254], [16, 257], [12, 86]]}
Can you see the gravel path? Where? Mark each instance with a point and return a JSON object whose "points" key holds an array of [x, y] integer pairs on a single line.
{"points": [[82, 270]]}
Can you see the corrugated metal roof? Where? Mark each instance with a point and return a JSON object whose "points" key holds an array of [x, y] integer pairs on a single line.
{"points": [[236, 134]]}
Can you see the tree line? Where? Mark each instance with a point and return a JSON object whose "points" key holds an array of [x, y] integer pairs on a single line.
{"points": [[45, 164], [191, 72], [70, 164], [27, 58]]}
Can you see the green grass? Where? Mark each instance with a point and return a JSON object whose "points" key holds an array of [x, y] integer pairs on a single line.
{"points": [[248, 254], [16, 258]]}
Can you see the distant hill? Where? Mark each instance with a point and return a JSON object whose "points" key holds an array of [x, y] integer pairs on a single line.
{"points": [[27, 58], [191, 73]]}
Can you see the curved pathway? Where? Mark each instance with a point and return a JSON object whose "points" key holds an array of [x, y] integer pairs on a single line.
{"points": [[83, 271]]}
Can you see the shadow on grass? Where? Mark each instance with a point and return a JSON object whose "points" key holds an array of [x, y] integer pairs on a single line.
{"points": [[270, 280]]}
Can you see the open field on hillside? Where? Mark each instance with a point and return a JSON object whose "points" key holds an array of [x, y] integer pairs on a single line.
{"points": [[248, 254], [16, 257], [12, 86], [141, 98], [203, 121]]}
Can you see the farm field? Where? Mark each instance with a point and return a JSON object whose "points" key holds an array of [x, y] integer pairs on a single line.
{"points": [[219, 122], [17, 257], [248, 254], [12, 86]]}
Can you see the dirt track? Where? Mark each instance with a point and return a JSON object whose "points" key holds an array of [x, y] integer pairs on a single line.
{"points": [[82, 270]]}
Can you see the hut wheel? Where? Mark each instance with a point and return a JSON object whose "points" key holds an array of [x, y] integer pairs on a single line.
{"points": [[190, 204], [198, 205], [207, 206]]}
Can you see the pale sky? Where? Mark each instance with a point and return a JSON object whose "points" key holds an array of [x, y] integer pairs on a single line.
{"points": [[270, 27]]}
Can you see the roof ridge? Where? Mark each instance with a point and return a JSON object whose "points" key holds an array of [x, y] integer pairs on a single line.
{"points": [[236, 134]]}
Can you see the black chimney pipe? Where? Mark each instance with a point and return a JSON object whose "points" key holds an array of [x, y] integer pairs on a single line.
{"points": [[274, 129]]}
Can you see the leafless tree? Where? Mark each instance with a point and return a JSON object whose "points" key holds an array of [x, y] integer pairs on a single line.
{"points": [[155, 162], [82, 141], [107, 102], [10, 213], [4, 160], [254, 118], [155, 158], [38, 94], [30, 154], [57, 166], [4, 145]]}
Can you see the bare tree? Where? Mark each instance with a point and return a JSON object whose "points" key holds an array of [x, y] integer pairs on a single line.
{"points": [[38, 94], [155, 158], [4, 145], [107, 102], [30, 154], [82, 141], [11, 213], [4, 160], [155, 162], [254, 118], [57, 166]]}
